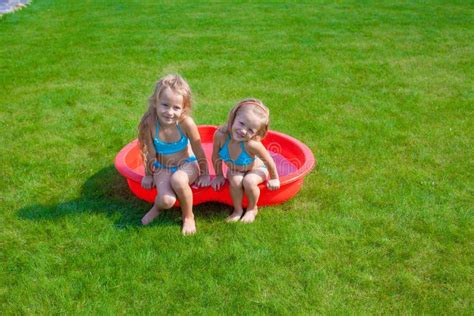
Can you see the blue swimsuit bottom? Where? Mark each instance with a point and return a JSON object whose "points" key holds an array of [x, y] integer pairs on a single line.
{"points": [[156, 164]]}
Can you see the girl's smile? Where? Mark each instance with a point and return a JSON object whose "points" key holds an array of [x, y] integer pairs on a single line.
{"points": [[246, 125], [170, 107]]}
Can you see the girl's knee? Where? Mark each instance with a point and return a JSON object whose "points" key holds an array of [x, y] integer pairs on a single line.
{"points": [[249, 183], [235, 182], [165, 201], [179, 181]]}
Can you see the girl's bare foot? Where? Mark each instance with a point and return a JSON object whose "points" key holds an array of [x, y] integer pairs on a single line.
{"points": [[189, 226], [151, 215], [249, 216], [235, 216]]}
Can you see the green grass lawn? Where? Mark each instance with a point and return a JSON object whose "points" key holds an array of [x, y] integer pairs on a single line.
{"points": [[381, 93]]}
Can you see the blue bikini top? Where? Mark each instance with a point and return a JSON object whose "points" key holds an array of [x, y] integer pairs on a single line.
{"points": [[164, 148], [244, 158]]}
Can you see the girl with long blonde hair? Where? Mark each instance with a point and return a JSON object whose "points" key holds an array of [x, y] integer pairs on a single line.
{"points": [[172, 152]]}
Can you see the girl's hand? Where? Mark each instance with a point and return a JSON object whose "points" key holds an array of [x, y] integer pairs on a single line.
{"points": [[273, 184], [218, 183], [203, 181], [147, 182]]}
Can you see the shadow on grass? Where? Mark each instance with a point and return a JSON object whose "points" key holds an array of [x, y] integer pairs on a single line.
{"points": [[107, 192]]}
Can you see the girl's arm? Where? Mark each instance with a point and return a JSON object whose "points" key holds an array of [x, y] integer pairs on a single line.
{"points": [[191, 130], [256, 148], [219, 180]]}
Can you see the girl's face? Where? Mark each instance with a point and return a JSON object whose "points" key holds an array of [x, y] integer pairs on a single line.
{"points": [[170, 107], [246, 124]]}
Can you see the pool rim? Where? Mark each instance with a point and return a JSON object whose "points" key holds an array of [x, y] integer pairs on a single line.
{"points": [[306, 167]]}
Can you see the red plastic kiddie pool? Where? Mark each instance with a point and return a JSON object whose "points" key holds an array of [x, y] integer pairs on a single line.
{"points": [[294, 160]]}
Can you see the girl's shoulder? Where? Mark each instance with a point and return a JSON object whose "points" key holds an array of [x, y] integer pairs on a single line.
{"points": [[254, 146], [221, 134], [187, 124], [187, 121]]}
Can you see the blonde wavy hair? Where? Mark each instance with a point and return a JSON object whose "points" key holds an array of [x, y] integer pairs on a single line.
{"points": [[178, 85], [258, 108]]}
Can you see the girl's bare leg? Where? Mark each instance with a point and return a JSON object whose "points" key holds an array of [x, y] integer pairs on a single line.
{"points": [[250, 183], [165, 197], [180, 182], [237, 193]]}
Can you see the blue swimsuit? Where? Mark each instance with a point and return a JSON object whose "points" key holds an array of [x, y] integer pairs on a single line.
{"points": [[244, 158], [164, 148]]}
